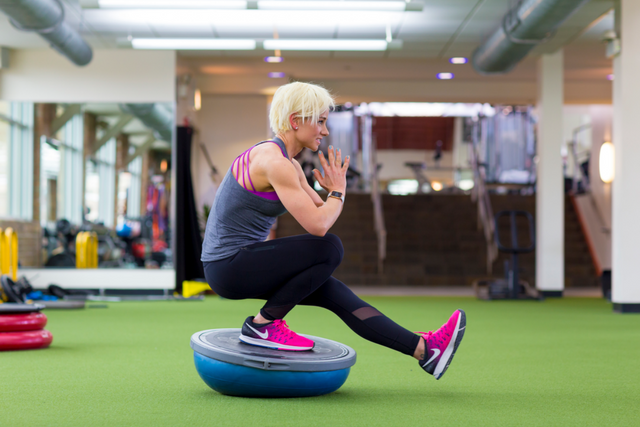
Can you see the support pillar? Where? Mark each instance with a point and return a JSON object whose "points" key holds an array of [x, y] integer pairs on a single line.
{"points": [[625, 233], [90, 125], [122, 152], [144, 180], [550, 184]]}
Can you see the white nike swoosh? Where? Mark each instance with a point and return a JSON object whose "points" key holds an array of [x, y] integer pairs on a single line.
{"points": [[436, 353], [264, 335]]}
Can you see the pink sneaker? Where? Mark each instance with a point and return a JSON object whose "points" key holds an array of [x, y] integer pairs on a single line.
{"points": [[276, 335], [442, 344]]}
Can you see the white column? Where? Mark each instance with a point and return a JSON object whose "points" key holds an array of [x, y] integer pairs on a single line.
{"points": [[550, 184], [626, 185]]}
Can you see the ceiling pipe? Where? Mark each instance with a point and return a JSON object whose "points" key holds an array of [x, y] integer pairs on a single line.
{"points": [[46, 17], [155, 116], [527, 24]]}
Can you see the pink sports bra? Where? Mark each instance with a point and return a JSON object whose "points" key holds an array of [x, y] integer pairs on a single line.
{"points": [[244, 160]]}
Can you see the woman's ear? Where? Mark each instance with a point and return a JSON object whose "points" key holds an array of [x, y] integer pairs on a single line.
{"points": [[293, 120]]}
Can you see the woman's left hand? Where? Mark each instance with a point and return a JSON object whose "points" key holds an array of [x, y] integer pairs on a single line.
{"points": [[335, 173]]}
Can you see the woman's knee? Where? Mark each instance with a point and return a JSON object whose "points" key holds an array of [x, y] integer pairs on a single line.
{"points": [[336, 243]]}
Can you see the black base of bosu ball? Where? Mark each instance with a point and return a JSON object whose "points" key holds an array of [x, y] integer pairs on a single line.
{"points": [[234, 368]]}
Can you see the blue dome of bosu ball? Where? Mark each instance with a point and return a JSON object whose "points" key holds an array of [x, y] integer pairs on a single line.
{"points": [[233, 368]]}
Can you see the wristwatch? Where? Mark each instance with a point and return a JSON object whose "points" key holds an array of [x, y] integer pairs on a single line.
{"points": [[337, 195]]}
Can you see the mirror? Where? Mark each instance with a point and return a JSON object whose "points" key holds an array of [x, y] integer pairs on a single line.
{"points": [[105, 168]]}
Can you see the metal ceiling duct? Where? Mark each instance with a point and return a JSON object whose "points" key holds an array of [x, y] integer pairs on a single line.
{"points": [[155, 116], [527, 24], [46, 17]]}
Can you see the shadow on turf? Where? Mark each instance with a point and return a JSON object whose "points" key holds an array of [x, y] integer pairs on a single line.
{"points": [[367, 396]]}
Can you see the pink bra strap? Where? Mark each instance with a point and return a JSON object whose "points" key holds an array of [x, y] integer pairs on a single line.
{"points": [[249, 174]]}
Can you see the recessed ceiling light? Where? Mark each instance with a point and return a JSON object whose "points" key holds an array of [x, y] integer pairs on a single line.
{"points": [[445, 76], [276, 75], [273, 59], [458, 60]]}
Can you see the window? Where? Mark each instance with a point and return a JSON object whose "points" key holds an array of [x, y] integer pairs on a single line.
{"points": [[106, 165], [61, 174], [16, 160], [134, 195]]}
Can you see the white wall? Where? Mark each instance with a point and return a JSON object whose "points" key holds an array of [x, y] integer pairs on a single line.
{"points": [[227, 125], [113, 76], [601, 131]]}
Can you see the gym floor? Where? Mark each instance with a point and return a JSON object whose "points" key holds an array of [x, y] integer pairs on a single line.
{"points": [[567, 361]]}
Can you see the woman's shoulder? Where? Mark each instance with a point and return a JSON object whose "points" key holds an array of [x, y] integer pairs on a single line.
{"points": [[269, 149]]}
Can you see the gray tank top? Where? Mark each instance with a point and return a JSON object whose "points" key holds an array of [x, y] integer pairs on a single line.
{"points": [[238, 217]]}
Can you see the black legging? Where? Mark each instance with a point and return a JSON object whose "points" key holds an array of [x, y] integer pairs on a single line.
{"points": [[297, 270]]}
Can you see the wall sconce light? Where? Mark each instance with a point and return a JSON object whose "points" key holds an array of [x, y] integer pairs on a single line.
{"points": [[607, 162], [197, 100]]}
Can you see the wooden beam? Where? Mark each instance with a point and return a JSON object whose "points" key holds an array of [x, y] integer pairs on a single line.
{"points": [[66, 115], [142, 148], [112, 131]]}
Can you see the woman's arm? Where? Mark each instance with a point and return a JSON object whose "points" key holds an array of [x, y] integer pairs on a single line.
{"points": [[305, 185], [316, 220]]}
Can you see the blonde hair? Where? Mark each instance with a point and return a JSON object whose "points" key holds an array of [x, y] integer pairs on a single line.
{"points": [[305, 100]]}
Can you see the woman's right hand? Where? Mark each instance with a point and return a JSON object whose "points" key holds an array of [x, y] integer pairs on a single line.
{"points": [[335, 173]]}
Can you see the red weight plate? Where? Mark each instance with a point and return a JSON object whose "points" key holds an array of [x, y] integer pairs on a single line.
{"points": [[25, 340], [22, 322]]}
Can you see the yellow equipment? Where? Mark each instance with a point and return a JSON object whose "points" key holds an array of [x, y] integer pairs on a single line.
{"points": [[9, 253], [191, 288], [87, 250]]}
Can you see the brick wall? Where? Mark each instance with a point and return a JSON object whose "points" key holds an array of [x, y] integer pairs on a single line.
{"points": [[29, 241]]}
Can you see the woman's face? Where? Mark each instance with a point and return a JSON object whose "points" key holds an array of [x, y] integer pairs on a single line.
{"points": [[310, 133]]}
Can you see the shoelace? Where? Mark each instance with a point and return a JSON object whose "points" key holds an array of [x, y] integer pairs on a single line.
{"points": [[438, 335], [283, 328]]}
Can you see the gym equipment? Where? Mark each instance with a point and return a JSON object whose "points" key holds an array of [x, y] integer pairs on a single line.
{"points": [[10, 307], [22, 322], [63, 305], [9, 253], [10, 291], [511, 287], [233, 368], [25, 340], [192, 287], [87, 250]]}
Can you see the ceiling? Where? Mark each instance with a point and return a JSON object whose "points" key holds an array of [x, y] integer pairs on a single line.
{"points": [[441, 30]]}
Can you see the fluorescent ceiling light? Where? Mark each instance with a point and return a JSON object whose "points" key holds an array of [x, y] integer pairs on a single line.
{"points": [[246, 20], [194, 44], [172, 4], [385, 6], [444, 76], [327, 44], [388, 6], [273, 59], [276, 75]]}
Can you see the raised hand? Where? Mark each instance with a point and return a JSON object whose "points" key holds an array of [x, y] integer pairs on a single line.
{"points": [[335, 172]]}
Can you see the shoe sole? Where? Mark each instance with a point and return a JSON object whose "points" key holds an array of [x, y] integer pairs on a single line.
{"points": [[272, 345], [450, 351]]}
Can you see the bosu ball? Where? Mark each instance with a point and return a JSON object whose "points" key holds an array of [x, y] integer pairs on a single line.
{"points": [[234, 368]]}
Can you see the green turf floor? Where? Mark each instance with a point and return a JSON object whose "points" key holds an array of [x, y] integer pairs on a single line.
{"points": [[559, 362]]}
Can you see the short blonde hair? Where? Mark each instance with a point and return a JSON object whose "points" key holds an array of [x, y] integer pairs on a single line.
{"points": [[306, 100]]}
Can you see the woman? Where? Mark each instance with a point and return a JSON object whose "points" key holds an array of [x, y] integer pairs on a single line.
{"points": [[265, 182]]}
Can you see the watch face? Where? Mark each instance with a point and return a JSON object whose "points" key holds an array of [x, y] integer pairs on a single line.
{"points": [[336, 194]]}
